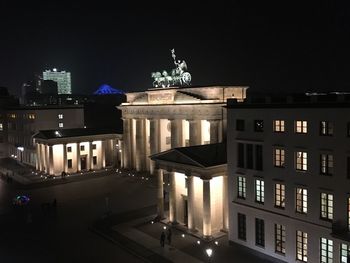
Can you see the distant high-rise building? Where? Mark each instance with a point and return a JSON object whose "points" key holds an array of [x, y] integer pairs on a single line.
{"points": [[62, 78]]}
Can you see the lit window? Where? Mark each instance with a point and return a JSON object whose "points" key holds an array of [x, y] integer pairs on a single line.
{"points": [[60, 124], [326, 164], [278, 126], [1, 127], [301, 200], [280, 193], [301, 246], [279, 158], [326, 128], [60, 116], [345, 253], [259, 125], [259, 191], [301, 161], [31, 116], [239, 125], [326, 206], [241, 187], [326, 250], [241, 226], [301, 126], [280, 238]]}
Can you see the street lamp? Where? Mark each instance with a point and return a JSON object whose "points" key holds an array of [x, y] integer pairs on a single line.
{"points": [[209, 252]]}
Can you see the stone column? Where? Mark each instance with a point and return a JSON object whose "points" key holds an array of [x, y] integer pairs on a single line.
{"points": [[225, 203], [78, 157], [127, 144], [195, 132], [47, 162], [214, 131], [176, 133], [172, 199], [51, 167], [65, 163], [43, 156], [140, 145], [190, 199], [160, 193], [103, 154], [206, 208], [154, 141], [38, 157], [90, 156]]}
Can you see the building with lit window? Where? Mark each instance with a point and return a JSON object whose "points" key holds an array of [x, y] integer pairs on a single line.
{"points": [[76, 150], [62, 78], [289, 176], [24, 121]]}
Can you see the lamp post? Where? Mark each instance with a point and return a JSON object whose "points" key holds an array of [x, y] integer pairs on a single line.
{"points": [[209, 253]]}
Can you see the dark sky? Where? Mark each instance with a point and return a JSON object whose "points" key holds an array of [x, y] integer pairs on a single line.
{"points": [[269, 47]]}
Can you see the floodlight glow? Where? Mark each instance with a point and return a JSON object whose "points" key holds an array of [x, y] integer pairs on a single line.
{"points": [[198, 242], [209, 252], [20, 149]]}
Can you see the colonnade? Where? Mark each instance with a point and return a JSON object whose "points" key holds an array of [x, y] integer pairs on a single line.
{"points": [[143, 137]]}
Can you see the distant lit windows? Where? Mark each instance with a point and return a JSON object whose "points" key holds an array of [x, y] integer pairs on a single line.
{"points": [[279, 157], [258, 125], [94, 146], [345, 253], [280, 194], [241, 226], [326, 164], [31, 116], [69, 162], [60, 124], [82, 147], [239, 125], [326, 206], [259, 232], [301, 245], [12, 115], [60, 116], [241, 181], [301, 200], [280, 239], [300, 127], [301, 161], [69, 149], [326, 128], [278, 126], [326, 253], [259, 191], [1, 127]]}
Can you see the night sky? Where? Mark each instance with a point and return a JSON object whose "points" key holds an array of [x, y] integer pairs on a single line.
{"points": [[269, 47]]}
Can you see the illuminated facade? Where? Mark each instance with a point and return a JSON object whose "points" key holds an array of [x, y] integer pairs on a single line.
{"points": [[76, 150], [198, 188], [160, 119], [288, 177], [62, 78]]}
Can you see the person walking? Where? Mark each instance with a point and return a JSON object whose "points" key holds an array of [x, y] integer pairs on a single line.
{"points": [[162, 239], [169, 236]]}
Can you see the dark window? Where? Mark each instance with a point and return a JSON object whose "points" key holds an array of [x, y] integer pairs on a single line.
{"points": [[94, 146], [326, 164], [326, 128], [280, 238], [82, 148], [69, 163], [249, 156], [240, 155], [259, 125], [259, 232], [259, 157], [69, 149], [348, 132], [241, 227], [239, 125], [94, 160]]}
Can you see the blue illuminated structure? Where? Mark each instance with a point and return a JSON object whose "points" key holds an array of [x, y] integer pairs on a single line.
{"points": [[106, 89]]}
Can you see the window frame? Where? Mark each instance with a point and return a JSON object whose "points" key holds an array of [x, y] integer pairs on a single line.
{"points": [[302, 244], [326, 164], [281, 193], [325, 245], [257, 127], [259, 192], [241, 187], [279, 157], [242, 226], [301, 162], [301, 204], [327, 210], [280, 239], [259, 232], [279, 126], [300, 126]]}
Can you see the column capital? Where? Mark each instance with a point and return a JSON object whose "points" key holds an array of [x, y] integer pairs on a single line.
{"points": [[206, 178]]}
